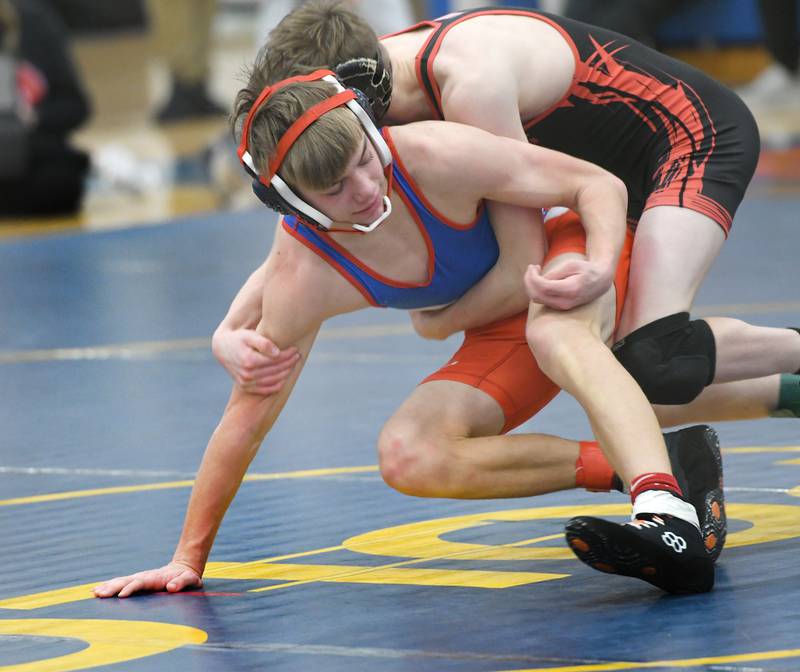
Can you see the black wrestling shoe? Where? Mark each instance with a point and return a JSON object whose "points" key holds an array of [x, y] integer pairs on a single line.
{"points": [[660, 549], [189, 101], [697, 466]]}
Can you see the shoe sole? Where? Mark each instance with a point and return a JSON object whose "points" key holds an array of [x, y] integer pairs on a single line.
{"points": [[710, 506], [598, 550], [713, 518]]}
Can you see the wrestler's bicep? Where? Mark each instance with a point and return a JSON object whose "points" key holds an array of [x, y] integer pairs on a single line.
{"points": [[300, 292], [495, 108], [527, 175]]}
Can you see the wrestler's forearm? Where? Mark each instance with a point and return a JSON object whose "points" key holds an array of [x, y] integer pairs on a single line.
{"points": [[602, 204], [498, 295], [246, 421], [230, 451]]}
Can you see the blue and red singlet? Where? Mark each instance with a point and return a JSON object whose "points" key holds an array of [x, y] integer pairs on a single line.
{"points": [[458, 255], [494, 358]]}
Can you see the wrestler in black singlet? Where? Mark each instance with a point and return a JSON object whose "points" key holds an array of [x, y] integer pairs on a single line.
{"points": [[671, 133]]}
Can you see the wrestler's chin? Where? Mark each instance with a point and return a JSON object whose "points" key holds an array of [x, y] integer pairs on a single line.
{"points": [[368, 215]]}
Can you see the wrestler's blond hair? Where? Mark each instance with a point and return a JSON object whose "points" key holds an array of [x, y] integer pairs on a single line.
{"points": [[318, 34], [320, 155]]}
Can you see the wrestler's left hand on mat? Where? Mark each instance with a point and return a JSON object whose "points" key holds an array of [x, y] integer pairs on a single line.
{"points": [[172, 578], [573, 283], [254, 362]]}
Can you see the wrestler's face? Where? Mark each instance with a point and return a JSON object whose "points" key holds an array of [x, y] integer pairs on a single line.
{"points": [[357, 197]]}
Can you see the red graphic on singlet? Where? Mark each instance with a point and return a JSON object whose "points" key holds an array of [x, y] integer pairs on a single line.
{"points": [[671, 110]]}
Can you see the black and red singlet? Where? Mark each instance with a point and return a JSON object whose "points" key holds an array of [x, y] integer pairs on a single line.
{"points": [[674, 135]]}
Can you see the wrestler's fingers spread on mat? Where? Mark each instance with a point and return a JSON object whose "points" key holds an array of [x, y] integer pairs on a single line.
{"points": [[173, 577], [187, 579], [112, 587]]}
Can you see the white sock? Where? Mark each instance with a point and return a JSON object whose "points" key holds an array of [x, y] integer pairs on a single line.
{"points": [[661, 501]]}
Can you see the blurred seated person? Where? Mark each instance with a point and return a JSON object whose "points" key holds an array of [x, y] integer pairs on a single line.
{"points": [[41, 102], [779, 82], [183, 39], [639, 19]]}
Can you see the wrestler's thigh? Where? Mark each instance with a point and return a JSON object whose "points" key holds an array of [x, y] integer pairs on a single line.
{"points": [[451, 409], [672, 251]]}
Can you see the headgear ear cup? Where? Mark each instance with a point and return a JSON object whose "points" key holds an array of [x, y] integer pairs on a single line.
{"points": [[370, 76], [363, 101], [269, 197], [270, 188]]}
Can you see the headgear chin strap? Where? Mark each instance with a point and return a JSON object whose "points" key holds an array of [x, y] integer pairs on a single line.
{"points": [[271, 189], [387, 210]]}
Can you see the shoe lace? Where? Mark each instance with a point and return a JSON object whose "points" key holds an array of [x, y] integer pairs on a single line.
{"points": [[654, 521]]}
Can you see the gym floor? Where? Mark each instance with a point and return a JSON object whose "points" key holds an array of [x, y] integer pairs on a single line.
{"points": [[111, 393]]}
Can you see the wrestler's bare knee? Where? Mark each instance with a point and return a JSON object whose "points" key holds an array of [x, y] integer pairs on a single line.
{"points": [[411, 462], [545, 336]]}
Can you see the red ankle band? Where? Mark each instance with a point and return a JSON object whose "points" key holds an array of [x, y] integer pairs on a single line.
{"points": [[592, 470], [654, 481]]}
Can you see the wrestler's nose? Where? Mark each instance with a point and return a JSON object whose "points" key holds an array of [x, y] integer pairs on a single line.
{"points": [[363, 187]]}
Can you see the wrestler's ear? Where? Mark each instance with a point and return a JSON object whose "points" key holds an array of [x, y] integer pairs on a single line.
{"points": [[271, 198], [280, 197]]}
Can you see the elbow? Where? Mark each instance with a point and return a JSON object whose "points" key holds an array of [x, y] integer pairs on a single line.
{"points": [[600, 181], [602, 190], [595, 185], [613, 186], [216, 343], [620, 188]]}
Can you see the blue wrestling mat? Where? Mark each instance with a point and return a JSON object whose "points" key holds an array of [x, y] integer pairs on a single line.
{"points": [[110, 393]]}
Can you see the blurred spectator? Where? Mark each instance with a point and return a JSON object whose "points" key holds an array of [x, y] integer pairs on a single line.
{"points": [[182, 30], [639, 19], [41, 102], [87, 17], [779, 82]]}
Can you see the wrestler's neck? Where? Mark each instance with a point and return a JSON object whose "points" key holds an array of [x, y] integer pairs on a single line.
{"points": [[396, 248], [409, 102]]}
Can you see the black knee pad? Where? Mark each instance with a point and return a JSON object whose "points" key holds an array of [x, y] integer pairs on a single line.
{"points": [[672, 359]]}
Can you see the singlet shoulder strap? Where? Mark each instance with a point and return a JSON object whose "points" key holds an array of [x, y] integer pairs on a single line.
{"points": [[427, 54], [424, 62], [342, 263]]}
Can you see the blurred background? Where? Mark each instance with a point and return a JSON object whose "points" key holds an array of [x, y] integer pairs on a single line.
{"points": [[114, 114]]}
